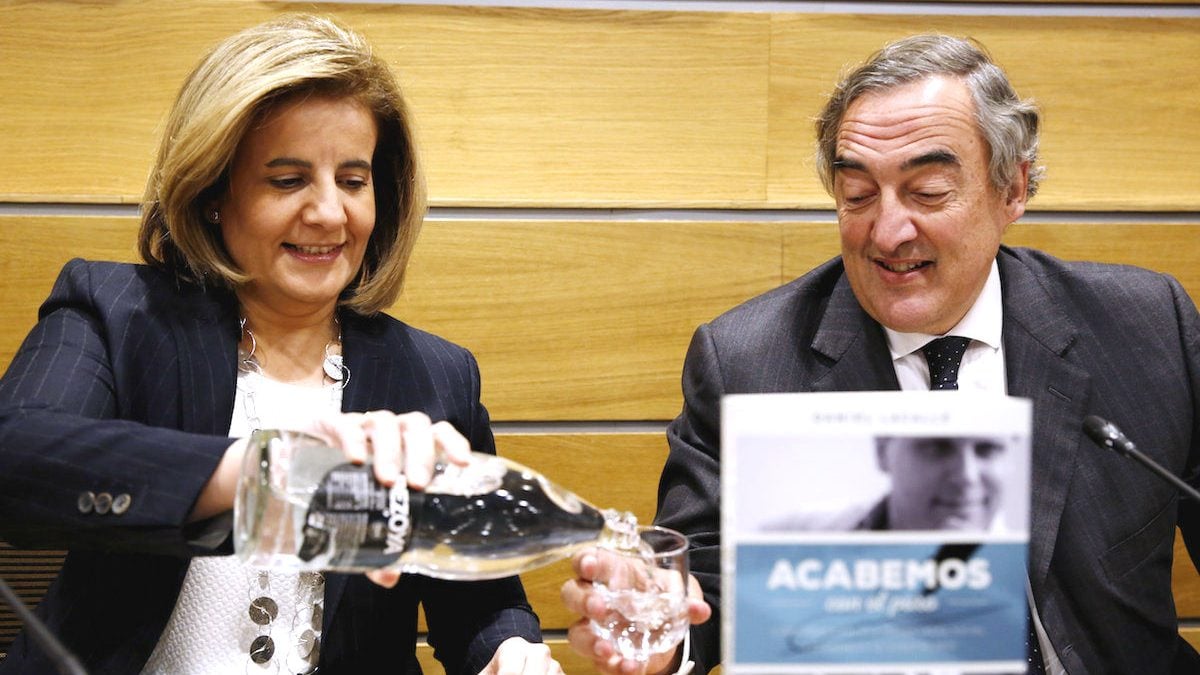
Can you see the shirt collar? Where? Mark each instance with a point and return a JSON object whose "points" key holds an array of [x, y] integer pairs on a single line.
{"points": [[982, 322]]}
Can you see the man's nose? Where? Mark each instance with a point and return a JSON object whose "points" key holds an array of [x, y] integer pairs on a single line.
{"points": [[893, 224]]}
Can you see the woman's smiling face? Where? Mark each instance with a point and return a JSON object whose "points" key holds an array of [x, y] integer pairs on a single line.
{"points": [[300, 207]]}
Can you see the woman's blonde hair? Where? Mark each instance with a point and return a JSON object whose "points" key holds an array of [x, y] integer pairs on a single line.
{"points": [[232, 88]]}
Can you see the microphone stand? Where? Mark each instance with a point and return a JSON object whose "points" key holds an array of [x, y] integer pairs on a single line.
{"points": [[1107, 435], [64, 661]]}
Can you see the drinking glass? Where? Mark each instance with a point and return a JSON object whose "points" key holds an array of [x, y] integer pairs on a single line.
{"points": [[644, 588]]}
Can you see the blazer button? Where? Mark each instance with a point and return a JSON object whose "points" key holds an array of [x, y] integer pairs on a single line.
{"points": [[104, 502], [121, 503], [86, 502]]}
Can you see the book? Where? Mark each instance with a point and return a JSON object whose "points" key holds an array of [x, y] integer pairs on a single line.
{"points": [[868, 532]]}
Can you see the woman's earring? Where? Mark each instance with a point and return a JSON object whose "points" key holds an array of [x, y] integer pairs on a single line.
{"points": [[214, 217]]}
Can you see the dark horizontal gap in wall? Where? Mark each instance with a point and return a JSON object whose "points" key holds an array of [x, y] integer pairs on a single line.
{"points": [[627, 214], [581, 427]]}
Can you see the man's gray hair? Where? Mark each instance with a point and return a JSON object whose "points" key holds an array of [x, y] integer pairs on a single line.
{"points": [[1009, 125]]}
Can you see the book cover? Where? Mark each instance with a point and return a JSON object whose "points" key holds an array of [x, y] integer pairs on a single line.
{"points": [[867, 532]]}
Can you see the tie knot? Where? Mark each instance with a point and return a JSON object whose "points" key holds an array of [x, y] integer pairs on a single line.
{"points": [[944, 356]]}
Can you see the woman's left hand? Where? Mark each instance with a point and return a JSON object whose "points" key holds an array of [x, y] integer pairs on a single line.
{"points": [[516, 656], [398, 446]]}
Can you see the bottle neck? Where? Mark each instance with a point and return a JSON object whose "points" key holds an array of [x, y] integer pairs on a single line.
{"points": [[620, 531]]}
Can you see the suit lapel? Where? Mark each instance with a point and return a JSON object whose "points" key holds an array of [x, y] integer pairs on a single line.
{"points": [[1037, 337], [855, 344], [366, 354], [206, 334]]}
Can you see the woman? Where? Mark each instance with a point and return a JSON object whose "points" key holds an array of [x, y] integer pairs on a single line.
{"points": [[277, 224]]}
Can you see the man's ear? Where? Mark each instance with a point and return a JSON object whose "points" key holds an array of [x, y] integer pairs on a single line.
{"points": [[1018, 193]]}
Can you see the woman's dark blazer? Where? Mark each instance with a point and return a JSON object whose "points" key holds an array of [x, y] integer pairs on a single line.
{"points": [[124, 390]]}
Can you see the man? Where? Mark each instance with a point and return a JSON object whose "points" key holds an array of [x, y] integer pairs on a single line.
{"points": [[939, 484], [930, 155]]}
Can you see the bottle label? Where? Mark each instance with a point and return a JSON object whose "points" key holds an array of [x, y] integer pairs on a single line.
{"points": [[397, 515], [354, 522]]}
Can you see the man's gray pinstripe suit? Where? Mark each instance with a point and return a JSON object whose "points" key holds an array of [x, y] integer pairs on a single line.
{"points": [[1079, 339]]}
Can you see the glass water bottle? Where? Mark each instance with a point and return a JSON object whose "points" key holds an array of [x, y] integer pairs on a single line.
{"points": [[301, 506]]}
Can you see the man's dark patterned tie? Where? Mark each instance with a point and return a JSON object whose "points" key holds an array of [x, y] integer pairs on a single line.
{"points": [[944, 356], [1033, 652]]}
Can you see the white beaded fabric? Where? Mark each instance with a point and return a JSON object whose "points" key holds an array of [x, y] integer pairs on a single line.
{"points": [[210, 630]]}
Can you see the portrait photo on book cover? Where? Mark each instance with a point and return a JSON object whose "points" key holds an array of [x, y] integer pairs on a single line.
{"points": [[877, 483]]}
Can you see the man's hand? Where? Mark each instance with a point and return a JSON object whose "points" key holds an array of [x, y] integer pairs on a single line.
{"points": [[579, 597], [516, 656]]}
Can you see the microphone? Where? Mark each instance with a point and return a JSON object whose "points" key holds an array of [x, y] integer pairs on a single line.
{"points": [[1107, 435], [64, 661]]}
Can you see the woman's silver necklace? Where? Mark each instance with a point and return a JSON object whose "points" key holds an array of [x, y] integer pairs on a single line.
{"points": [[333, 365], [311, 585]]}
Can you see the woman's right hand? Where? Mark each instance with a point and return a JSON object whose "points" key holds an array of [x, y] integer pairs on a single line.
{"points": [[405, 445], [408, 444]]}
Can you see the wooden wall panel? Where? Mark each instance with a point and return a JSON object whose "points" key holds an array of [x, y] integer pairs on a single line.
{"points": [[577, 320], [544, 107], [1164, 247], [513, 106], [32, 251], [586, 108], [806, 245], [1119, 94], [86, 88], [615, 470], [584, 320]]}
